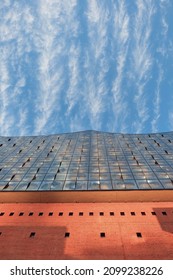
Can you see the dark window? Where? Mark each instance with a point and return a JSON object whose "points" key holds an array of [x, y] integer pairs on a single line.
{"points": [[11, 214], [80, 213], [21, 214], [32, 234], [70, 214]]}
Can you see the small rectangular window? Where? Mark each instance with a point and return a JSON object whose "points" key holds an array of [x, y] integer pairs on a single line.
{"points": [[80, 213], [11, 214], [67, 234], [70, 214], [32, 234], [21, 214]]}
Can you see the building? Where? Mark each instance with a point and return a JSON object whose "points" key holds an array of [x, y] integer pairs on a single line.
{"points": [[87, 195]]}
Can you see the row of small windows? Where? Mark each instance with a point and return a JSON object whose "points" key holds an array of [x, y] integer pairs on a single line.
{"points": [[112, 213], [67, 234]]}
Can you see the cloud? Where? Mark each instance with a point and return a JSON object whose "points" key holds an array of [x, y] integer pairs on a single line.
{"points": [[142, 60], [51, 38], [157, 101], [164, 44], [96, 64], [121, 45], [74, 91], [68, 65], [16, 23], [6, 120]]}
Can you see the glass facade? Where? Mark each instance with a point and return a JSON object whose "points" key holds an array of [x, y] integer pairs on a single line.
{"points": [[87, 160]]}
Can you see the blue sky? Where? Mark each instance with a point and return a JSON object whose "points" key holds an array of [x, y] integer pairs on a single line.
{"points": [[75, 65]]}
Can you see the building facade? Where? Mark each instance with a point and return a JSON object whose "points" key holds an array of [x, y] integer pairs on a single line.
{"points": [[88, 160], [108, 174]]}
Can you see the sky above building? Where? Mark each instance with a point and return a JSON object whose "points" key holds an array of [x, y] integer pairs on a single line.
{"points": [[77, 65]]}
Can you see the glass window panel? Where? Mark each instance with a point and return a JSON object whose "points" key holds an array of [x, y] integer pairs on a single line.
{"points": [[93, 185], [17, 177], [130, 185], [34, 186], [93, 176], [57, 185], [104, 170], [127, 176], [93, 170], [82, 176], [21, 186], [81, 185], [167, 184], [139, 175], [2, 185], [69, 185], [63, 170], [118, 185], [104, 176], [116, 176], [143, 184], [60, 176], [6, 177], [71, 176], [155, 184], [27, 177], [162, 175], [106, 185], [73, 170], [45, 186]]}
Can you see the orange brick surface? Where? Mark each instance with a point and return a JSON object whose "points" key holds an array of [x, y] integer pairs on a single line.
{"points": [[84, 222]]}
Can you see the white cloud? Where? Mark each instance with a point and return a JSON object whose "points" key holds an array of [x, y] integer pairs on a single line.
{"points": [[96, 65], [13, 21], [142, 59], [74, 57], [74, 91], [157, 101], [6, 120], [120, 44], [163, 48], [57, 24]]}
